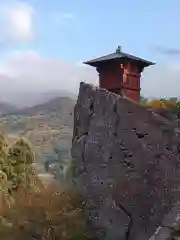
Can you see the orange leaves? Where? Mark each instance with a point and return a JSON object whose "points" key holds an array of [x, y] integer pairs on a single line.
{"points": [[52, 213]]}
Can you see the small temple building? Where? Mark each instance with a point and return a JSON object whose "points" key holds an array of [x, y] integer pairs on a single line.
{"points": [[120, 73]]}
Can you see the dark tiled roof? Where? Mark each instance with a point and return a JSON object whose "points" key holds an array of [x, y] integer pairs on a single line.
{"points": [[118, 55]]}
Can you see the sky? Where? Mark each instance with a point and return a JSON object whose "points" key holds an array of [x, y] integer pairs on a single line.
{"points": [[43, 43]]}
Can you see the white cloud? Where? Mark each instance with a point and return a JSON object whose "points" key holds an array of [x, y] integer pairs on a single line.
{"points": [[16, 21], [31, 72], [161, 81]]}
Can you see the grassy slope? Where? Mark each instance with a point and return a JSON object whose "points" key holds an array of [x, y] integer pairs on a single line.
{"points": [[48, 126]]}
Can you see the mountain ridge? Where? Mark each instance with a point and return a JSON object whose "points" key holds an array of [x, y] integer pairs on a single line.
{"points": [[48, 127], [28, 99], [49, 105], [7, 108]]}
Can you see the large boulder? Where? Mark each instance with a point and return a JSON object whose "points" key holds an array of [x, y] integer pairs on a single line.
{"points": [[128, 161]]}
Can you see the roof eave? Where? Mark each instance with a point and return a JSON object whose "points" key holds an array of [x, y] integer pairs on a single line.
{"points": [[146, 64], [150, 64], [95, 63], [90, 63], [86, 62]]}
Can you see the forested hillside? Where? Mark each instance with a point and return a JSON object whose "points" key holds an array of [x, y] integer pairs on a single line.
{"points": [[48, 127]]}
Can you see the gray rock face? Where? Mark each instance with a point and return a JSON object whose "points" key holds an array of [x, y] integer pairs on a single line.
{"points": [[169, 228], [129, 167]]}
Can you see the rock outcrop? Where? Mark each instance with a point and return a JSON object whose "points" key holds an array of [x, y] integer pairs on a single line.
{"points": [[169, 228], [128, 164]]}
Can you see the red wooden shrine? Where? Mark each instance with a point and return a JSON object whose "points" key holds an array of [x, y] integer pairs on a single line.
{"points": [[120, 73]]}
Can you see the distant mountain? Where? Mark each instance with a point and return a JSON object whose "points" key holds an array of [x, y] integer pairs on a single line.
{"points": [[62, 105], [6, 108], [48, 126], [27, 99]]}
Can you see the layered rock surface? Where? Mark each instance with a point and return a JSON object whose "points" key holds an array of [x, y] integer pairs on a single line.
{"points": [[128, 164]]}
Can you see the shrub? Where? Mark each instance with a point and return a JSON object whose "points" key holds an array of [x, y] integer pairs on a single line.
{"points": [[16, 169], [48, 214]]}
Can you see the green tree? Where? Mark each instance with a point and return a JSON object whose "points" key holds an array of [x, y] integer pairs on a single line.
{"points": [[143, 100], [50, 213], [20, 158], [16, 169]]}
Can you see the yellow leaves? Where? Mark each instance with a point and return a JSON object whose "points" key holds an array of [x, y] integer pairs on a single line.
{"points": [[169, 108], [158, 104]]}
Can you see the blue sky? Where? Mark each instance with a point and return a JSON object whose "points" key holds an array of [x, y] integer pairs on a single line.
{"points": [[42, 42], [97, 27]]}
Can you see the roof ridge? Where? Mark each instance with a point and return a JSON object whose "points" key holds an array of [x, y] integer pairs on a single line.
{"points": [[118, 55], [95, 59]]}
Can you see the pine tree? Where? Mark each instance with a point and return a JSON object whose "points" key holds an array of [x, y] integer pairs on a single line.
{"points": [[16, 169]]}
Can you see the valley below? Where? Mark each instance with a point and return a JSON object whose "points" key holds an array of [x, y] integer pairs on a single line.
{"points": [[49, 128]]}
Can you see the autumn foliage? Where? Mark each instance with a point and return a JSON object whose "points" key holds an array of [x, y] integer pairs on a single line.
{"points": [[37, 211], [162, 103], [171, 105], [47, 214]]}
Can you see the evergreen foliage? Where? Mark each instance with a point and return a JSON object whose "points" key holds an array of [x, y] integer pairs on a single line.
{"points": [[53, 212], [16, 169]]}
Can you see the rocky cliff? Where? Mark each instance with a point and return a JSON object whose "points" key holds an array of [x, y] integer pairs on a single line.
{"points": [[128, 164]]}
